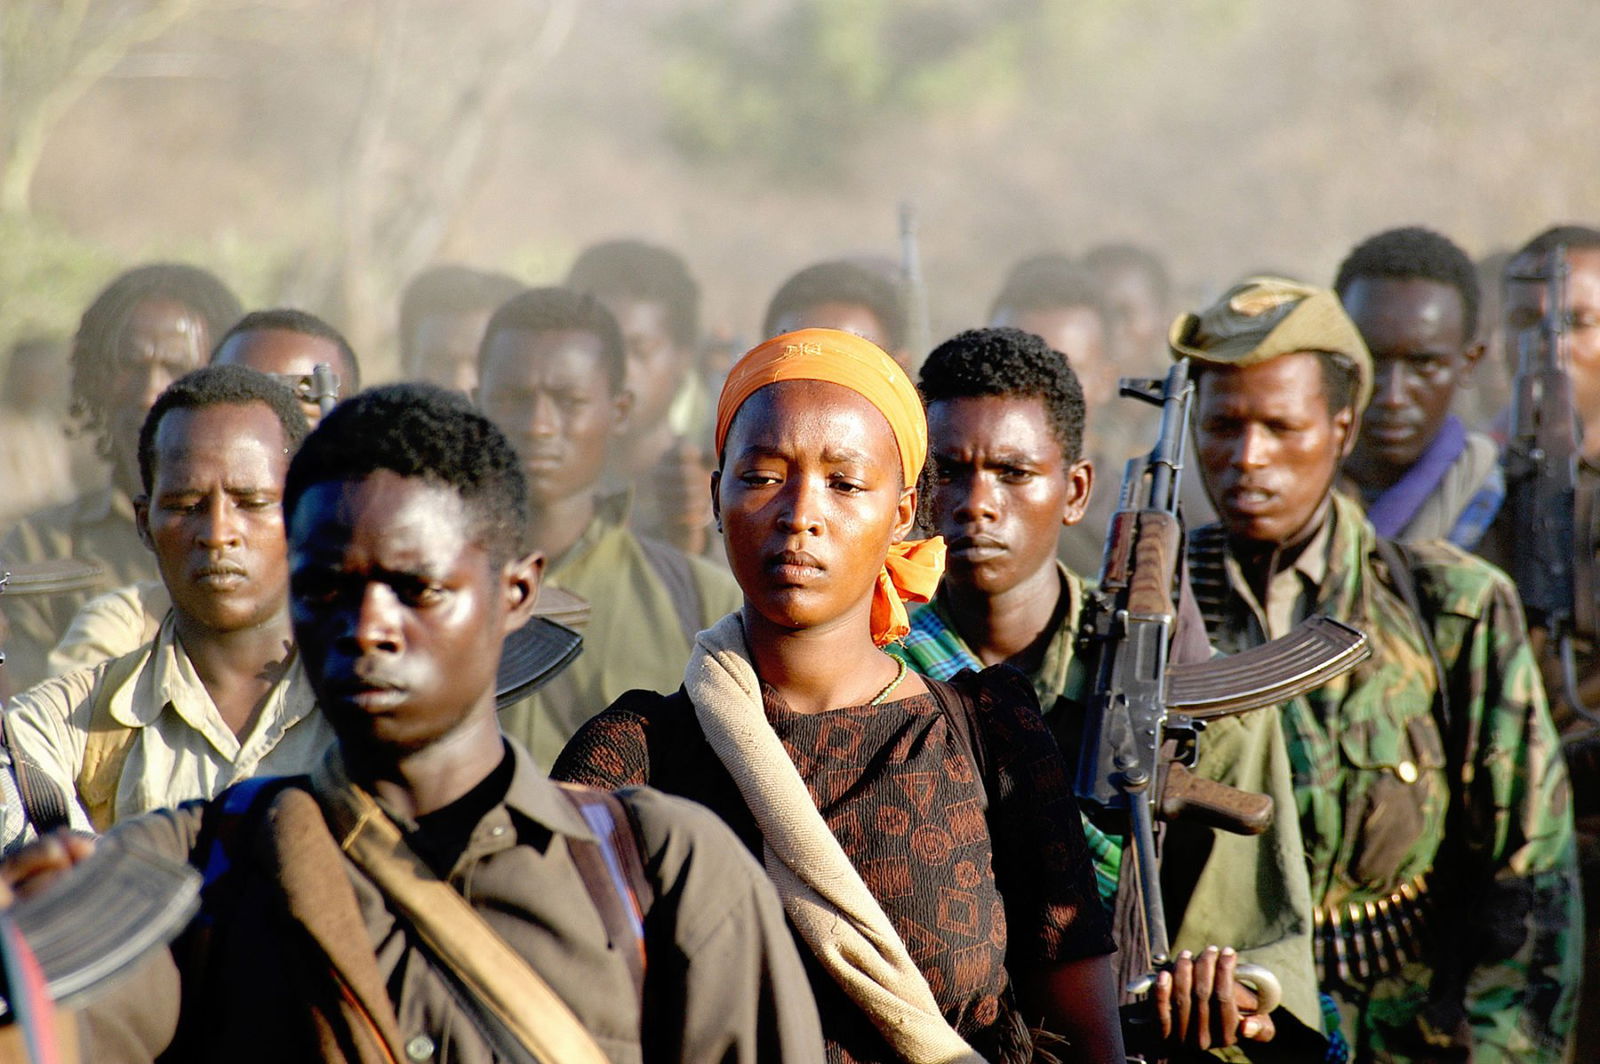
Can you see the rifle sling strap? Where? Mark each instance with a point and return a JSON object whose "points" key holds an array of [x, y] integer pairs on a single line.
{"points": [[44, 804]]}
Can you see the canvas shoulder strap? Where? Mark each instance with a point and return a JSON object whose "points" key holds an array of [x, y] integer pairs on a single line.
{"points": [[673, 568], [497, 978], [109, 742], [612, 870]]}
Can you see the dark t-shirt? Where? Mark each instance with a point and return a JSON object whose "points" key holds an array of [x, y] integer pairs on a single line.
{"points": [[976, 894], [441, 837]]}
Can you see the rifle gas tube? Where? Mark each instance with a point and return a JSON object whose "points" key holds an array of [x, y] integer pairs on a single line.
{"points": [[1144, 715], [919, 334]]}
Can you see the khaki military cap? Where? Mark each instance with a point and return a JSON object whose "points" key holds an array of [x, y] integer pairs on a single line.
{"points": [[1261, 318]]}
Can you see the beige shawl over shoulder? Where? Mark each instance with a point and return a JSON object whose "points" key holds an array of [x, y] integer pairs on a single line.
{"points": [[822, 893]]}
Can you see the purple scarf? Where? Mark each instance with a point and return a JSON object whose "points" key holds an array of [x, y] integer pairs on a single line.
{"points": [[1392, 511]]}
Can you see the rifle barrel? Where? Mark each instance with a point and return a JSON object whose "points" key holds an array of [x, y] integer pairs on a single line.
{"points": [[919, 330]]}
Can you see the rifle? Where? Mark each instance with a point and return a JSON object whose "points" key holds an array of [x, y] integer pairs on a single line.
{"points": [[320, 386], [1144, 715], [1541, 468], [324, 387], [914, 290], [67, 945]]}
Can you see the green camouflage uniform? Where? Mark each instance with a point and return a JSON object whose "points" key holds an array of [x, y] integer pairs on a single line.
{"points": [[1373, 781]]}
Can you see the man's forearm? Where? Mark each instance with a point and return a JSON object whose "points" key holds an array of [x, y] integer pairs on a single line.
{"points": [[1078, 1001]]}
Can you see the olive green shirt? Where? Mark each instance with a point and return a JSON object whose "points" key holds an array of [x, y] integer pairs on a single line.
{"points": [[97, 528], [1250, 892], [633, 638]]}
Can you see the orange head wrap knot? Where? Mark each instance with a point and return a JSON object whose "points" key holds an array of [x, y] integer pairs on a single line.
{"points": [[912, 570]]}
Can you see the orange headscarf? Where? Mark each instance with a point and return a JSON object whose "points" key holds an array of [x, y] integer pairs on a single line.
{"points": [[912, 570]]}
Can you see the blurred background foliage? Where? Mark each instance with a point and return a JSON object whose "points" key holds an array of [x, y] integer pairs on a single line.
{"points": [[319, 152], [798, 87]]}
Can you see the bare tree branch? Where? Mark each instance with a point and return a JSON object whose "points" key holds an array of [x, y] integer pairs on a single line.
{"points": [[407, 180], [69, 55]]}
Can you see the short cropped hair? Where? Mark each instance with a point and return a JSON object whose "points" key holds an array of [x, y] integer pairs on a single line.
{"points": [[1413, 252], [841, 281], [1569, 236], [421, 431], [450, 289], [100, 330], [558, 310], [1010, 363], [1049, 282], [288, 319], [211, 386], [632, 269]]}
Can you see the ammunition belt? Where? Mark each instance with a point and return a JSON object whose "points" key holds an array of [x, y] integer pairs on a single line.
{"points": [[1357, 942], [1208, 575]]}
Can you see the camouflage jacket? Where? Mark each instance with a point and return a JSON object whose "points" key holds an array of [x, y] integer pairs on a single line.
{"points": [[1479, 808]]}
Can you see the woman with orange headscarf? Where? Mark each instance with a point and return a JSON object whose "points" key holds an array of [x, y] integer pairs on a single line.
{"points": [[921, 835]]}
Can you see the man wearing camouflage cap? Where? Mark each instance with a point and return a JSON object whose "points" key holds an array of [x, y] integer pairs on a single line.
{"points": [[1436, 823]]}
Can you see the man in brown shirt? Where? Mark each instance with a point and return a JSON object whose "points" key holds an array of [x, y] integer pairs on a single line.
{"points": [[406, 510]]}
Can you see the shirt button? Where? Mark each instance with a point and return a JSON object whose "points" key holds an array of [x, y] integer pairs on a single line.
{"points": [[1406, 771], [419, 1048], [497, 830]]}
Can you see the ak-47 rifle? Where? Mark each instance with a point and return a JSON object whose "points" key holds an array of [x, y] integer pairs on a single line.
{"points": [[919, 335], [324, 387], [68, 944], [1541, 467], [320, 386], [1144, 714]]}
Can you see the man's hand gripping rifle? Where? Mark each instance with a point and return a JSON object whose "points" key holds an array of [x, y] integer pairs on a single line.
{"points": [[1144, 714], [1552, 571]]}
